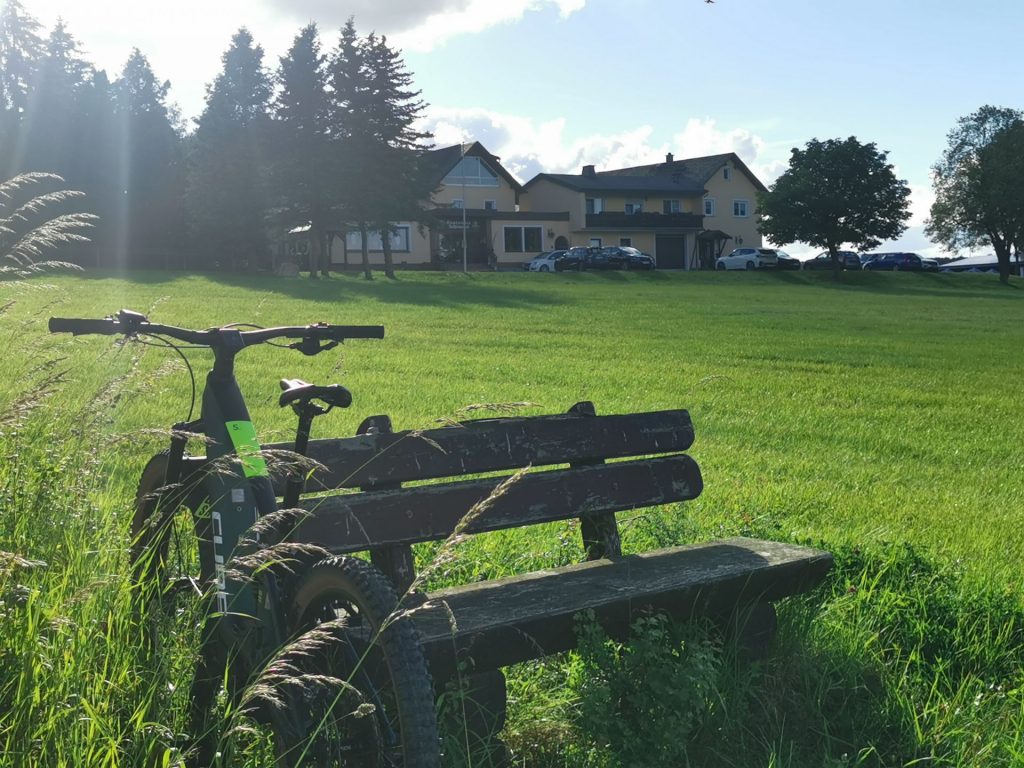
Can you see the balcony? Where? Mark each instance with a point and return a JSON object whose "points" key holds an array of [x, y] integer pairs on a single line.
{"points": [[645, 220]]}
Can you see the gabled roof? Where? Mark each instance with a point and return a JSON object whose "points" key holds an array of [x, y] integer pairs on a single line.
{"points": [[685, 177], [440, 162]]}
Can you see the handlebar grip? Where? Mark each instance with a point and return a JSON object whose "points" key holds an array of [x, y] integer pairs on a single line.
{"points": [[79, 326], [340, 332]]}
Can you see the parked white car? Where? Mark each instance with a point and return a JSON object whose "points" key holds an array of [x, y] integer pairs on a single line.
{"points": [[748, 258], [544, 262]]}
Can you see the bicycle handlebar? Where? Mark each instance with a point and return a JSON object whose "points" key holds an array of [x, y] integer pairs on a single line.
{"points": [[132, 323]]}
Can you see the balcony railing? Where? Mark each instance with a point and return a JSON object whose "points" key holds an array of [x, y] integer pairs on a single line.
{"points": [[645, 220]]}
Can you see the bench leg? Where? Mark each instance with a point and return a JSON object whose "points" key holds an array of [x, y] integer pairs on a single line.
{"points": [[474, 714], [752, 628]]}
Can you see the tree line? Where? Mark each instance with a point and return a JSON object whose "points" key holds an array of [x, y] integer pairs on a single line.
{"points": [[839, 192], [324, 141]]}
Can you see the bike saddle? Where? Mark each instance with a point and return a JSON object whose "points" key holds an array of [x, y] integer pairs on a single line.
{"points": [[299, 391]]}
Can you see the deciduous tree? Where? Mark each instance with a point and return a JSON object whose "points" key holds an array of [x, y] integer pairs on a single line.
{"points": [[836, 192], [978, 197]]}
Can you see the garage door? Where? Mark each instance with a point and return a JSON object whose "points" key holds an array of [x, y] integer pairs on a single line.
{"points": [[670, 251]]}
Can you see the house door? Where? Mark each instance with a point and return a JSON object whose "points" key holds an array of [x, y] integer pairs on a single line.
{"points": [[707, 254]]}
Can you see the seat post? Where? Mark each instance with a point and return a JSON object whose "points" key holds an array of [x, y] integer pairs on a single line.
{"points": [[297, 481]]}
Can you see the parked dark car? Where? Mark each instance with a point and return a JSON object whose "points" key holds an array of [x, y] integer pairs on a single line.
{"points": [[619, 257], [578, 257], [571, 260], [896, 262], [847, 259], [786, 261]]}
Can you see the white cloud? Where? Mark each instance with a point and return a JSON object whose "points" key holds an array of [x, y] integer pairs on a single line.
{"points": [[418, 25], [184, 40], [921, 198], [471, 17]]}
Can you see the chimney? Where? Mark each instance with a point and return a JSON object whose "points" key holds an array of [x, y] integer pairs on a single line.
{"points": [[668, 158], [589, 172]]}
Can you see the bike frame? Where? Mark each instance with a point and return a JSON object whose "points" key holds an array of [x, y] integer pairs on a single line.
{"points": [[239, 492]]}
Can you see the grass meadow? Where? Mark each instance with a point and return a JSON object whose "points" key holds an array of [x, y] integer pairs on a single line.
{"points": [[878, 417]]}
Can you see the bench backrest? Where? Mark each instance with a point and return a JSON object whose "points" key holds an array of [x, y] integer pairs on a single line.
{"points": [[386, 517]]}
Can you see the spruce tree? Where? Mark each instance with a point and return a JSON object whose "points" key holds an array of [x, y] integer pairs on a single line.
{"points": [[21, 49], [227, 187], [374, 109], [49, 135], [351, 137], [393, 108], [303, 169], [150, 166]]}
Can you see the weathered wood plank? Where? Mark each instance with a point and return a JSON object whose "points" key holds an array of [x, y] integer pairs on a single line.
{"points": [[353, 522], [490, 445], [506, 621]]}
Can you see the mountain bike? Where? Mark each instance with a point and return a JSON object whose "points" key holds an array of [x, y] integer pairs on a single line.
{"points": [[354, 688]]}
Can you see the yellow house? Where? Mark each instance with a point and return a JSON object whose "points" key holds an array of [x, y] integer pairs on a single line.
{"points": [[475, 205], [683, 212]]}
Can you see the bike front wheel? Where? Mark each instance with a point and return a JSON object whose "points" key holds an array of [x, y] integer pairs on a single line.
{"points": [[171, 567], [381, 711]]}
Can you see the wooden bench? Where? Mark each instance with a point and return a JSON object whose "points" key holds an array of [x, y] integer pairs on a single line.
{"points": [[615, 463]]}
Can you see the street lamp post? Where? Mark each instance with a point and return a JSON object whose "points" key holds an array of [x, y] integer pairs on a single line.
{"points": [[465, 262]]}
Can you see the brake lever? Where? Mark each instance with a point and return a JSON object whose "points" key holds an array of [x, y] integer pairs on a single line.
{"points": [[312, 346]]}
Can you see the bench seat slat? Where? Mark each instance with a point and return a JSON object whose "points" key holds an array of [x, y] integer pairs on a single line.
{"points": [[351, 522], [506, 621], [491, 445]]}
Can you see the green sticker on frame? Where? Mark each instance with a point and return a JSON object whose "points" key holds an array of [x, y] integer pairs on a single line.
{"points": [[243, 437]]}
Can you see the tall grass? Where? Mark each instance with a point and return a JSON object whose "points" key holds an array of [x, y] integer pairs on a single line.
{"points": [[872, 418]]}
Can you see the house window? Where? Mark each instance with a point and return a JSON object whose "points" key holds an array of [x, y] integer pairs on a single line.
{"points": [[625, 242], [471, 172], [709, 206], [727, 173], [595, 242], [523, 240], [634, 206], [739, 209], [595, 205], [457, 203], [670, 206], [490, 205], [399, 240]]}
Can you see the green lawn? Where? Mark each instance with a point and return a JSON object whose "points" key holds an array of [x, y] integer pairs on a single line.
{"points": [[882, 409], [885, 407]]}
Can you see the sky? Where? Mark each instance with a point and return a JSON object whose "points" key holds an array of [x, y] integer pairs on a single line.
{"points": [[552, 85]]}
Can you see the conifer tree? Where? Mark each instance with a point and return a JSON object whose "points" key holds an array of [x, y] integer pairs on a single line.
{"points": [[227, 189], [21, 49], [392, 110], [303, 169], [49, 137], [149, 165], [373, 111], [351, 136]]}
